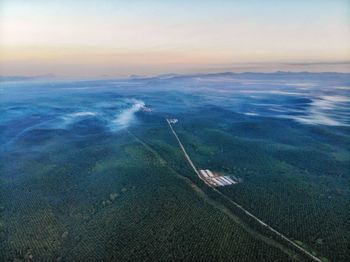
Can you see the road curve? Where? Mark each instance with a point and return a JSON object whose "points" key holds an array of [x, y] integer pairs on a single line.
{"points": [[304, 251]]}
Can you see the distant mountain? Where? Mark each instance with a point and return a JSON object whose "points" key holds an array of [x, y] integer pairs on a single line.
{"points": [[251, 75], [24, 78], [260, 75]]}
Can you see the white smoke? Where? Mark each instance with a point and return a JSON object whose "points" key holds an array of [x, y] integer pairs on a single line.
{"points": [[123, 119], [84, 113], [72, 117]]}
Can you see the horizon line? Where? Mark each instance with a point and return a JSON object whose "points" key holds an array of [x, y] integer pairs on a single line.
{"points": [[50, 76]]}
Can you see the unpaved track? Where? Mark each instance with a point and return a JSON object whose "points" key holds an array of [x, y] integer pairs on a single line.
{"points": [[304, 251], [215, 204]]}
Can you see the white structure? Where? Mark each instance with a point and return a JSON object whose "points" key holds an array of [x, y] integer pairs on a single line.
{"points": [[204, 174], [209, 173], [172, 120], [215, 179]]}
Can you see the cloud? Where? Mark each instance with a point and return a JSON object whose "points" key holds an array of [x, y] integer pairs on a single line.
{"points": [[250, 114], [324, 111], [72, 117], [84, 113], [126, 116]]}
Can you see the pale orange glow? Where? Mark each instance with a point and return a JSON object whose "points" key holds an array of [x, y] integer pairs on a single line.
{"points": [[47, 38]]}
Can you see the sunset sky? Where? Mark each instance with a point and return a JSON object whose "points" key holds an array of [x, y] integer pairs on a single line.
{"points": [[120, 38]]}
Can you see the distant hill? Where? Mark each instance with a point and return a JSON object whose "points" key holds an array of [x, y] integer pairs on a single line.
{"points": [[24, 78]]}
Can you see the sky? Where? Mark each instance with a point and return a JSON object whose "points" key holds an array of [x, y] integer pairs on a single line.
{"points": [[148, 37]]}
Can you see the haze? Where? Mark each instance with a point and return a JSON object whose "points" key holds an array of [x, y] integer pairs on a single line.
{"points": [[120, 38]]}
